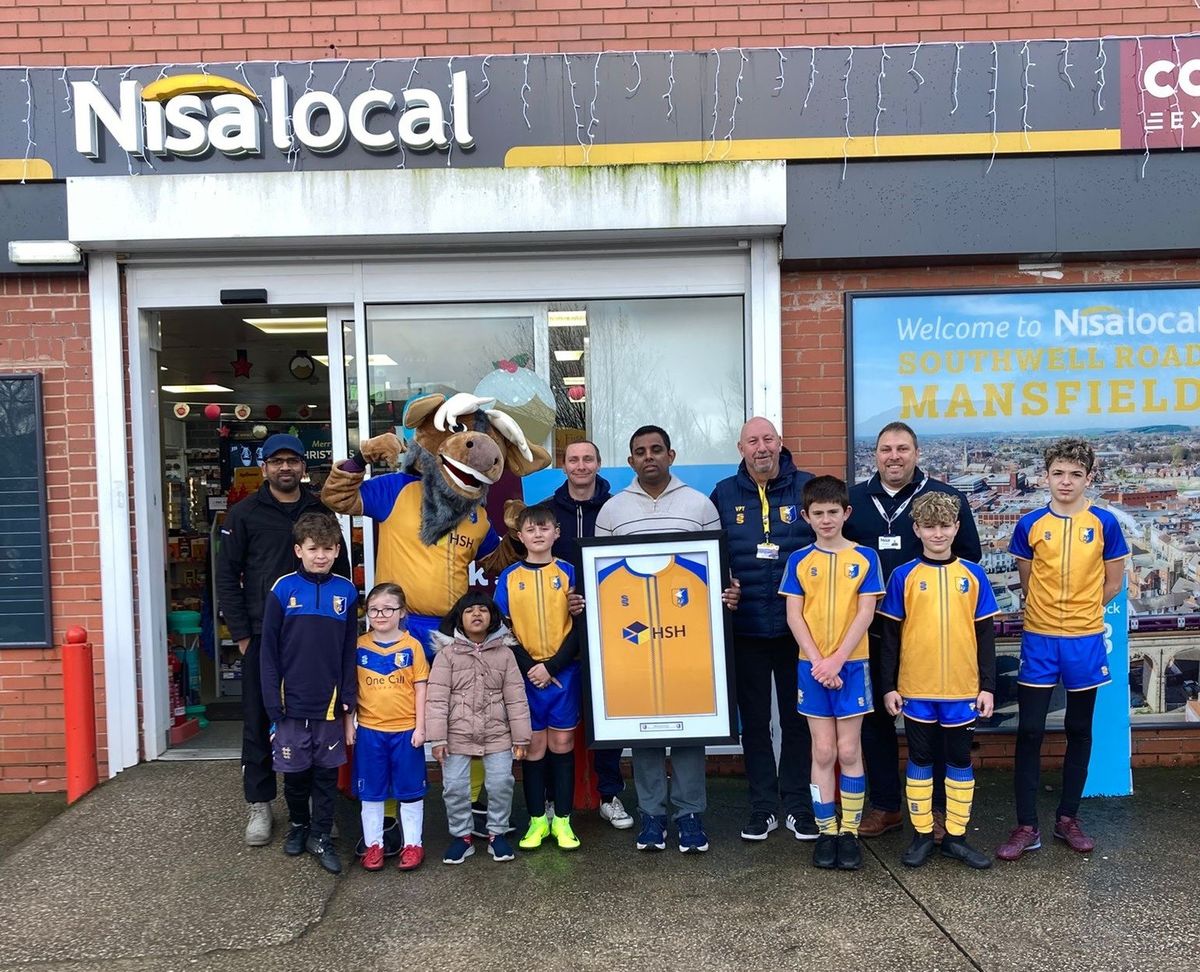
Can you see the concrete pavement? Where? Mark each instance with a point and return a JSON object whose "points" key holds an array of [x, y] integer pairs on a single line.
{"points": [[149, 873]]}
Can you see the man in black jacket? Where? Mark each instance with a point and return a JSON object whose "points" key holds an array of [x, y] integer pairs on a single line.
{"points": [[880, 519], [760, 509], [576, 503], [256, 550]]}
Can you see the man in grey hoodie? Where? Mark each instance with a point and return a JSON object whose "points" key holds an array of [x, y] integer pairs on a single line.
{"points": [[657, 502]]}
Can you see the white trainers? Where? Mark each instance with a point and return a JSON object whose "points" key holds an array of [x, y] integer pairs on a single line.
{"points": [[615, 813], [258, 825]]}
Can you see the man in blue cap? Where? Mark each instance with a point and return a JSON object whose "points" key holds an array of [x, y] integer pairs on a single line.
{"points": [[256, 550]]}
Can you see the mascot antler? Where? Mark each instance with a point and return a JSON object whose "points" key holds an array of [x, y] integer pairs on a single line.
{"points": [[506, 425], [446, 418]]}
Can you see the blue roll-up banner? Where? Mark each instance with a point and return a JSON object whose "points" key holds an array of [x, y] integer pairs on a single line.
{"points": [[1110, 771]]}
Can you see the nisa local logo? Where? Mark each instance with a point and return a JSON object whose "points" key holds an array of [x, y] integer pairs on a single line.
{"points": [[188, 115], [639, 634], [1105, 320]]}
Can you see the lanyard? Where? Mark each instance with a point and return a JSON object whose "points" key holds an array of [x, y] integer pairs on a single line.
{"points": [[766, 512], [889, 520]]}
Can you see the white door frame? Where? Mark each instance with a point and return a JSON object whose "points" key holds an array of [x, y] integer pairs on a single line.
{"points": [[344, 286]]}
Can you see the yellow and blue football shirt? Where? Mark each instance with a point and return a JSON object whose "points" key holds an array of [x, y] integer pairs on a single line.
{"points": [[534, 597], [433, 577], [831, 582], [387, 678], [1067, 555], [937, 605], [656, 640]]}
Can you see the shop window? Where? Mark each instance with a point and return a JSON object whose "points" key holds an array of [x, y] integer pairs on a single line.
{"points": [[24, 550]]}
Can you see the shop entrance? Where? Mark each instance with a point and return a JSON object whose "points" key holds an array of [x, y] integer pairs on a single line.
{"points": [[228, 378]]}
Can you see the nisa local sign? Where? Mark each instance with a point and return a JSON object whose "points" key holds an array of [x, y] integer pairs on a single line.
{"points": [[189, 115]]}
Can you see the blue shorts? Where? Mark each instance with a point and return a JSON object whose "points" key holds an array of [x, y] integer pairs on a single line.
{"points": [[298, 745], [949, 715], [553, 707], [816, 701], [388, 766], [1080, 661]]}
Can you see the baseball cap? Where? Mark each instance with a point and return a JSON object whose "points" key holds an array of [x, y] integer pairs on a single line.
{"points": [[282, 442]]}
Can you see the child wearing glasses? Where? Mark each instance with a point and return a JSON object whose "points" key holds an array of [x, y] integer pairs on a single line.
{"points": [[388, 728]]}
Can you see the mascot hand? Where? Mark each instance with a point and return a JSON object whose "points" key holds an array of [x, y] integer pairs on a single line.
{"points": [[512, 510], [383, 448]]}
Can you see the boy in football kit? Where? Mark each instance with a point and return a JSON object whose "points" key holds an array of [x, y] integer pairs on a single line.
{"points": [[832, 587], [1071, 559], [532, 594], [939, 669]]}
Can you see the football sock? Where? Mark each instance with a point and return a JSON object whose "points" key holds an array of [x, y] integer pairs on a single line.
{"points": [[826, 817], [533, 784], [854, 790], [372, 822], [412, 821], [562, 771]]}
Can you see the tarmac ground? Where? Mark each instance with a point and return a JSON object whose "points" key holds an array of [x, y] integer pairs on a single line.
{"points": [[149, 873]]}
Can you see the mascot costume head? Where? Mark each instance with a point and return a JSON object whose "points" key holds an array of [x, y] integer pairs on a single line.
{"points": [[431, 517]]}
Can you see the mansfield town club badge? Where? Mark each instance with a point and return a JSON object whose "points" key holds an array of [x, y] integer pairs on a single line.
{"points": [[339, 604]]}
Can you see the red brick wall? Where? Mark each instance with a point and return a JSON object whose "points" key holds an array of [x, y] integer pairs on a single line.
{"points": [[44, 328], [96, 32], [814, 347]]}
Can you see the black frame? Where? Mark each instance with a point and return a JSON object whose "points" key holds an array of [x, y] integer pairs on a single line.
{"points": [[668, 541], [43, 516]]}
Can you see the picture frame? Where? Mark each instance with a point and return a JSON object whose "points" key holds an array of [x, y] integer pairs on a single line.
{"points": [[659, 655]]}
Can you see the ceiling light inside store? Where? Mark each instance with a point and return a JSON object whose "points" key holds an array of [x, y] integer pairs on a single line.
{"points": [[575, 318], [374, 360], [570, 355], [288, 325], [194, 389], [574, 381]]}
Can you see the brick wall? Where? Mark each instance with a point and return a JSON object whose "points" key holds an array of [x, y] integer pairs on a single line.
{"points": [[96, 32], [814, 347], [44, 328]]}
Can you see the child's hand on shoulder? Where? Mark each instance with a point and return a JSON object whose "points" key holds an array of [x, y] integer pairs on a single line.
{"points": [[985, 705], [893, 703]]}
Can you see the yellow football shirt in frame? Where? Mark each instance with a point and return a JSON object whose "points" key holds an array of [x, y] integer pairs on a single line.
{"points": [[656, 640]]}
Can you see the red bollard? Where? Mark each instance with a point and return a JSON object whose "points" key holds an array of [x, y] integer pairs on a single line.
{"points": [[79, 714], [587, 796]]}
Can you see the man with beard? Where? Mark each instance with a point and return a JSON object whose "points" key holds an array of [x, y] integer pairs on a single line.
{"points": [[256, 550]]}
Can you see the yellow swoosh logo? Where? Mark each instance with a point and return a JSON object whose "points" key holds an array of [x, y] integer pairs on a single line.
{"points": [[165, 89]]}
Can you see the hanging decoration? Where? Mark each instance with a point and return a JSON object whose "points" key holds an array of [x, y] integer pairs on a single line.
{"points": [[302, 366], [224, 431], [212, 411], [273, 412], [303, 412], [241, 412], [577, 393], [182, 410], [259, 432], [241, 364]]}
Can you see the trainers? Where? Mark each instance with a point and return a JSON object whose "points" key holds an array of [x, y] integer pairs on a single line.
{"points": [[919, 851], [539, 830], [760, 824], [939, 825], [1067, 829], [692, 838], [459, 850], [876, 822], [803, 827], [372, 860], [392, 839], [849, 853], [958, 848], [563, 834], [615, 813], [258, 825], [479, 821], [500, 848], [411, 857], [825, 851], [321, 847], [654, 833], [1023, 838], [297, 837]]}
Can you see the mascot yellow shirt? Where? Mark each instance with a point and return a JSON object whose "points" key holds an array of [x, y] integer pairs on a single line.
{"points": [[656, 640], [433, 577]]}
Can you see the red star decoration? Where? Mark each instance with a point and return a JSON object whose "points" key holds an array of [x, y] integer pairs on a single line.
{"points": [[242, 365], [223, 431]]}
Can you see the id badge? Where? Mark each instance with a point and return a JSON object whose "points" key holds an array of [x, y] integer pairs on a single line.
{"points": [[889, 542], [768, 551]]}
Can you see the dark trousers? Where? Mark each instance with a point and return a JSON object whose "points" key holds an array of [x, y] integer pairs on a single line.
{"points": [[881, 749], [607, 763], [756, 661], [310, 796], [1032, 704], [258, 774]]}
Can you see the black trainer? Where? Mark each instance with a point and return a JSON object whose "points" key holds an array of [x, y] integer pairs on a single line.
{"points": [[956, 846], [759, 825], [803, 826], [919, 850], [297, 837], [849, 853], [825, 851], [321, 847]]}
